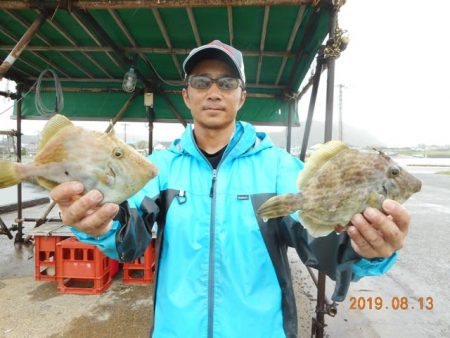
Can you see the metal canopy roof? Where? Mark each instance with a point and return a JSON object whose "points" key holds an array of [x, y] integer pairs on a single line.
{"points": [[91, 44]]}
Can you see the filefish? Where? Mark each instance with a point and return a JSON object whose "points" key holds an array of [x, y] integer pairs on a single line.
{"points": [[69, 153], [339, 182]]}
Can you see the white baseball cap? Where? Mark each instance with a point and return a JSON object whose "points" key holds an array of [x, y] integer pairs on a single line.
{"points": [[215, 50]]}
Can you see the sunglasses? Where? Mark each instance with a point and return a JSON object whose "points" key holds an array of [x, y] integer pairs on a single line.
{"points": [[205, 82]]}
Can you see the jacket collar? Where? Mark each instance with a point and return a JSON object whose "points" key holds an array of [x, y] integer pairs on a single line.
{"points": [[245, 141]]}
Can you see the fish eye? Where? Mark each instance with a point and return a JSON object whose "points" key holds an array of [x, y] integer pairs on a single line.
{"points": [[394, 172], [118, 152]]}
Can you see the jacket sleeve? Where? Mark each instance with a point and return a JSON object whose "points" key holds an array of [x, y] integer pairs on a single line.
{"points": [[131, 230], [332, 254]]}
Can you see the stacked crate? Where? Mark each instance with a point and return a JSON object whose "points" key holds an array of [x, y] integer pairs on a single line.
{"points": [[141, 271], [82, 268], [45, 257]]}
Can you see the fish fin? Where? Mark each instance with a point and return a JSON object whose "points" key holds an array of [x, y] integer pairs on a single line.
{"points": [[314, 227], [280, 206], [45, 183], [55, 124], [9, 175], [318, 159]]}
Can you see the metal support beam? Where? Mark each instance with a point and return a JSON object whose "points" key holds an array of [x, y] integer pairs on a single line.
{"points": [[165, 34], [294, 31], [291, 108], [121, 112], [130, 38], [74, 63], [137, 49], [312, 104], [151, 119], [151, 84], [262, 41], [330, 84], [230, 24], [22, 43], [66, 35], [321, 308], [42, 58], [19, 234], [309, 29], [108, 4], [175, 82], [94, 38], [194, 26]]}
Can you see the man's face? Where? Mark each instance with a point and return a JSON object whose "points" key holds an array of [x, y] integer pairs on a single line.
{"points": [[213, 108]]}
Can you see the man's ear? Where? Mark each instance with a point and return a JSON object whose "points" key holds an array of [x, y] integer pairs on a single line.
{"points": [[186, 99], [242, 99]]}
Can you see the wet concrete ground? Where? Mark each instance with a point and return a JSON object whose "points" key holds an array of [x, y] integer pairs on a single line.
{"points": [[29, 308], [35, 309]]}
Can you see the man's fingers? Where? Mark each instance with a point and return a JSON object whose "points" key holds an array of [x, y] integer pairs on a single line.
{"points": [[386, 225], [64, 192], [78, 209], [399, 213], [371, 235], [359, 244], [99, 222]]}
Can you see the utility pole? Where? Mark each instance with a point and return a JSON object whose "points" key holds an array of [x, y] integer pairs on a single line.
{"points": [[341, 126]]}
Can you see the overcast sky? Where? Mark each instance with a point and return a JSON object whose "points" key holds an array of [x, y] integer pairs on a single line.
{"points": [[395, 71]]}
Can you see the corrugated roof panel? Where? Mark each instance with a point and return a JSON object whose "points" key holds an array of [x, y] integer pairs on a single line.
{"points": [[281, 22], [251, 66], [141, 24], [212, 24], [106, 20], [164, 66], [178, 27], [247, 27], [73, 29], [269, 69]]}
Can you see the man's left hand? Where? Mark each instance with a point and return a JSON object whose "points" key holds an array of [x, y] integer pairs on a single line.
{"points": [[375, 234]]}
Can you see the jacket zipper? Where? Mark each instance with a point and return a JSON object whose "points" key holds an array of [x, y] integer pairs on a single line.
{"points": [[212, 237], [212, 250]]}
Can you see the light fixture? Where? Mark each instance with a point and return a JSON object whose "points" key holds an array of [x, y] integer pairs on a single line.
{"points": [[129, 80]]}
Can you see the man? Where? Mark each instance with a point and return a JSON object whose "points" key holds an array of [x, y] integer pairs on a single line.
{"points": [[221, 271]]}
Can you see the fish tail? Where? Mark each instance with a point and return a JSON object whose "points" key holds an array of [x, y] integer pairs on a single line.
{"points": [[280, 206], [8, 174]]}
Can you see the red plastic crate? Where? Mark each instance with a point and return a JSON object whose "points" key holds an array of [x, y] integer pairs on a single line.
{"points": [[141, 271], [44, 257], [114, 267], [82, 268]]}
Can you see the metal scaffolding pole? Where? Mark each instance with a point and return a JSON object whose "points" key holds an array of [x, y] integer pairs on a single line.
{"points": [[22, 43], [19, 234], [312, 105], [321, 308]]}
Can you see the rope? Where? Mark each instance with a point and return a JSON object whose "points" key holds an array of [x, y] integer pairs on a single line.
{"points": [[59, 97]]}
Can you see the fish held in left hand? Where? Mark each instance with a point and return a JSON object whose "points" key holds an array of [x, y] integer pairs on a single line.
{"points": [[98, 160], [339, 182]]}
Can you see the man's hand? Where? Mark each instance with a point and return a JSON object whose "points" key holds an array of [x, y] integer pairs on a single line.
{"points": [[376, 235], [83, 212]]}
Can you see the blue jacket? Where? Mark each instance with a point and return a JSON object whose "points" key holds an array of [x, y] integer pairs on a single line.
{"points": [[221, 271]]}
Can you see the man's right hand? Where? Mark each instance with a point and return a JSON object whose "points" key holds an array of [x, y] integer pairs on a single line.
{"points": [[83, 211]]}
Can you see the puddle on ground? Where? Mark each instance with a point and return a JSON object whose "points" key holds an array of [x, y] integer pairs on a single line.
{"points": [[45, 291], [124, 311]]}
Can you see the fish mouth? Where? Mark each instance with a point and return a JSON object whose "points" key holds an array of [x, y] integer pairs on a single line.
{"points": [[111, 172], [111, 175], [385, 191], [417, 186]]}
